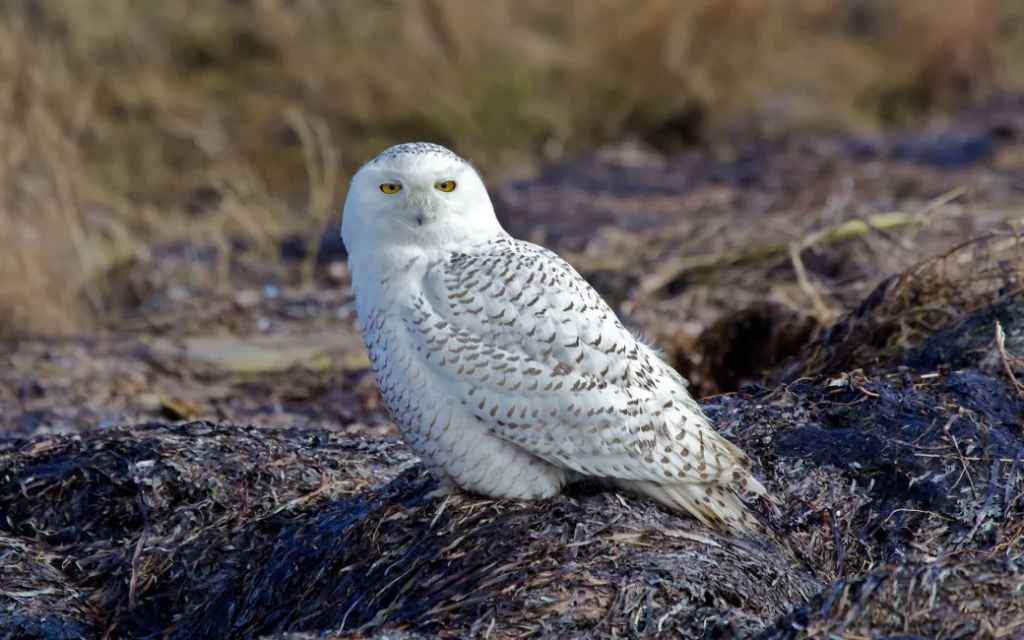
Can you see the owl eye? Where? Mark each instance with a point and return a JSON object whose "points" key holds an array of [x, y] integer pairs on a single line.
{"points": [[446, 185], [390, 188]]}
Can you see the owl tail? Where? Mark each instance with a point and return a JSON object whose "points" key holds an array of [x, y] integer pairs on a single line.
{"points": [[714, 505]]}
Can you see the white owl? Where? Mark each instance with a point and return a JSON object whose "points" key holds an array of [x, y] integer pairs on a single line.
{"points": [[503, 369]]}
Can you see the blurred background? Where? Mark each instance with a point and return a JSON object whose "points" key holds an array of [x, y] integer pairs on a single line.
{"points": [[225, 130]]}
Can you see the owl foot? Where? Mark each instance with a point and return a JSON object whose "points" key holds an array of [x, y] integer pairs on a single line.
{"points": [[445, 487]]}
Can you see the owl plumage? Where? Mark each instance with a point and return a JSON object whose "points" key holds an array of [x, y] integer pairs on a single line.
{"points": [[503, 368]]}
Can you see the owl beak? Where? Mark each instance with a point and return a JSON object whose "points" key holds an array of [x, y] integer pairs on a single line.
{"points": [[423, 212], [424, 215]]}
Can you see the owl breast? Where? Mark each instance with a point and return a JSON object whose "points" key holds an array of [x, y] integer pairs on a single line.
{"points": [[452, 443]]}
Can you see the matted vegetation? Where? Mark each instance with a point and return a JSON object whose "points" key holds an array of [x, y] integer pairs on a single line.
{"points": [[900, 511]]}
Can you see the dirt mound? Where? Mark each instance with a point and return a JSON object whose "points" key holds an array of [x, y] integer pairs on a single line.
{"points": [[915, 316], [93, 523], [900, 485]]}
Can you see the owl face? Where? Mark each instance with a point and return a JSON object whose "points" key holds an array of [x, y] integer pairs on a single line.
{"points": [[417, 195]]}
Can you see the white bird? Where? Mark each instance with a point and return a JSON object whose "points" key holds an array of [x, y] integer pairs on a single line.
{"points": [[502, 367]]}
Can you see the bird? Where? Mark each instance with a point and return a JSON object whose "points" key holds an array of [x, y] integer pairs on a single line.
{"points": [[502, 368]]}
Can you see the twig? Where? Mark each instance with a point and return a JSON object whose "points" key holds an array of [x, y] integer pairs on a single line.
{"points": [[133, 584], [683, 265], [1007, 358], [931, 513], [825, 314], [967, 458], [960, 455], [672, 270], [838, 547]]}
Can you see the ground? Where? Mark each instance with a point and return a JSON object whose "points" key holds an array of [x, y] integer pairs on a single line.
{"points": [[217, 464]]}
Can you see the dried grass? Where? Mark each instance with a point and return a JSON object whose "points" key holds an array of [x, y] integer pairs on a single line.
{"points": [[115, 114]]}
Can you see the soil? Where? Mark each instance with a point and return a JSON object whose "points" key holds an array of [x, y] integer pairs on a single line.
{"points": [[217, 463]]}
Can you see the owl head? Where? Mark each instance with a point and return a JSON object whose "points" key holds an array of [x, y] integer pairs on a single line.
{"points": [[417, 196]]}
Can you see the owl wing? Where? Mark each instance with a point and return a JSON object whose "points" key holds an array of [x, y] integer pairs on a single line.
{"points": [[533, 352]]}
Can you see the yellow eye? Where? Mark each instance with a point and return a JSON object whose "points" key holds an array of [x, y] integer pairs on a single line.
{"points": [[390, 188], [447, 186]]}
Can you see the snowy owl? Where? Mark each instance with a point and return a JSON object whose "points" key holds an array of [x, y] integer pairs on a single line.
{"points": [[502, 368]]}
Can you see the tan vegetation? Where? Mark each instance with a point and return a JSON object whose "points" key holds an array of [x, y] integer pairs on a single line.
{"points": [[119, 119]]}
